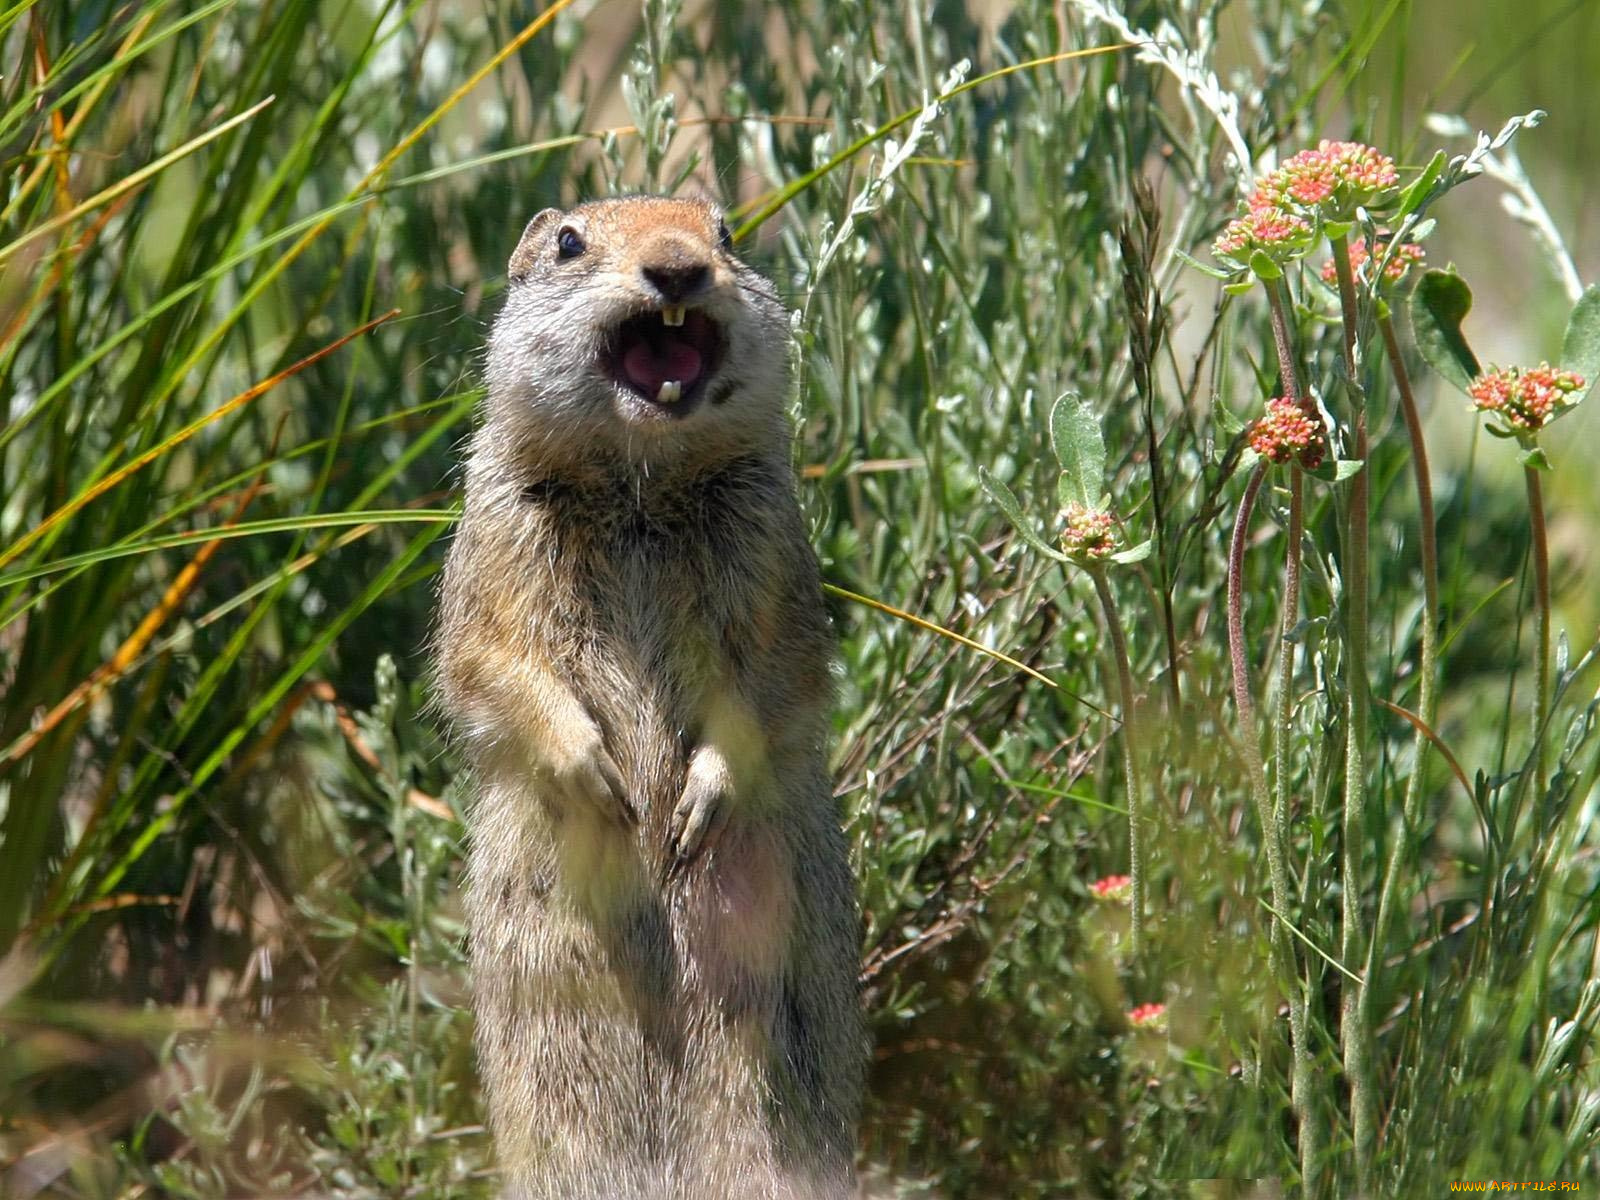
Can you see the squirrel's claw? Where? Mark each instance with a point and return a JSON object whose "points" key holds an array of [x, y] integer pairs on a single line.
{"points": [[595, 782], [699, 817]]}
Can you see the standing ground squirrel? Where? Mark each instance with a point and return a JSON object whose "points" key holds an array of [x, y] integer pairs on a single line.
{"points": [[634, 652]]}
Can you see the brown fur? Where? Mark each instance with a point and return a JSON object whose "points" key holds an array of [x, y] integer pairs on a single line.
{"points": [[633, 649]]}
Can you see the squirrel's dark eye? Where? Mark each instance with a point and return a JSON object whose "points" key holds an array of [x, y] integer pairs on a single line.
{"points": [[724, 238], [568, 242]]}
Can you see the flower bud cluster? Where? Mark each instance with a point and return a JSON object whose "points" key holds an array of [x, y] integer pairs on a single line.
{"points": [[1397, 258], [1277, 233], [1088, 533], [1336, 177], [1289, 432], [1113, 889], [1289, 206], [1526, 399], [1148, 1016]]}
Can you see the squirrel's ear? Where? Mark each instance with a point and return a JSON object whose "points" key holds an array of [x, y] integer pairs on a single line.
{"points": [[696, 188], [527, 251]]}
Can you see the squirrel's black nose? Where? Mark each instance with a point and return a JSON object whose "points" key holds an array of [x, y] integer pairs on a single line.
{"points": [[677, 282]]}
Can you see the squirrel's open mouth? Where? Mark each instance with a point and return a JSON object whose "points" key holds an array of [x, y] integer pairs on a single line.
{"points": [[665, 357]]}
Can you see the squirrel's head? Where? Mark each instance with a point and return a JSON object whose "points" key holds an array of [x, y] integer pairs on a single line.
{"points": [[631, 327]]}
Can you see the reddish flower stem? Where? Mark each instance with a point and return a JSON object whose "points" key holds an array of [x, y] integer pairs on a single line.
{"points": [[1277, 304]]}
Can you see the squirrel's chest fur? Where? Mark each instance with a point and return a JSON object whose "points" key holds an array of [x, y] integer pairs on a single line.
{"points": [[651, 603]]}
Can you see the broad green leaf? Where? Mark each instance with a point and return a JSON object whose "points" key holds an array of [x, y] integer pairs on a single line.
{"points": [[1134, 554], [1081, 451], [1264, 268], [1438, 306], [1580, 347], [1535, 458], [1003, 496]]}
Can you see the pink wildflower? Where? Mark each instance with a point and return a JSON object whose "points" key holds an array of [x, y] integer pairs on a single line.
{"points": [[1400, 259], [1526, 399], [1089, 533], [1308, 178], [1114, 889], [1277, 232], [1289, 431], [1360, 167], [1348, 173], [1148, 1016]]}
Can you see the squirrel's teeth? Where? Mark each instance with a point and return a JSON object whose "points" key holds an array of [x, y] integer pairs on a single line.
{"points": [[671, 391], [672, 314]]}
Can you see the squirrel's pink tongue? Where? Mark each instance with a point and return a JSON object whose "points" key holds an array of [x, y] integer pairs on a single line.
{"points": [[648, 367]]}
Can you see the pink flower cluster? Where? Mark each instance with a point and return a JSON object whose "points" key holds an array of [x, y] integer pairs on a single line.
{"points": [[1148, 1016], [1314, 176], [1289, 431], [1088, 532], [1273, 230], [1114, 889], [1333, 180], [1401, 257], [1526, 398]]}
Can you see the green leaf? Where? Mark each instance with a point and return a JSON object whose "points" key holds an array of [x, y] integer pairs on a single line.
{"points": [[1580, 346], [332, 520], [1438, 306], [1067, 490], [1336, 472], [1230, 422], [1240, 288], [1134, 554], [1337, 229], [1417, 190], [1264, 268], [1203, 268], [1535, 458], [1003, 496], [1081, 451], [1346, 468]]}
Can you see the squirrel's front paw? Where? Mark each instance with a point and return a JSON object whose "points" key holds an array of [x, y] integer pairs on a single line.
{"points": [[592, 781], [702, 811]]}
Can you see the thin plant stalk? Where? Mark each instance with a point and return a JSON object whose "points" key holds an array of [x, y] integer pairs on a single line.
{"points": [[1355, 1025], [1541, 599], [1428, 687], [1303, 1080], [1130, 758]]}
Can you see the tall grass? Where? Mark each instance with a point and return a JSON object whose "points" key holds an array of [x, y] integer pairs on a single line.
{"points": [[248, 251]]}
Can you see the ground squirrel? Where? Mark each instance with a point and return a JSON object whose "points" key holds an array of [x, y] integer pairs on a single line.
{"points": [[634, 651]]}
